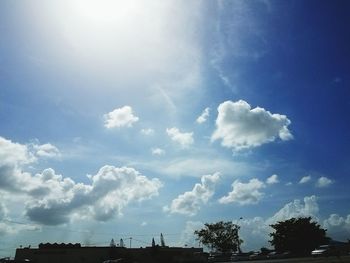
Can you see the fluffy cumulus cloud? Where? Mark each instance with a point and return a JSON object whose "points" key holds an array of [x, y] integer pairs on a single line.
{"points": [[338, 225], [120, 117], [273, 179], [305, 179], [203, 117], [46, 150], [297, 208], [189, 203], [14, 154], [111, 189], [244, 193], [323, 182], [52, 199], [255, 231], [241, 127], [336, 220], [185, 139]]}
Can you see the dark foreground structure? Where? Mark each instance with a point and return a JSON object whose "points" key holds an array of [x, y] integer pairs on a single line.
{"points": [[75, 253]]}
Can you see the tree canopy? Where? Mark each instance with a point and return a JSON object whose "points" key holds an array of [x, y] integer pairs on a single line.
{"points": [[220, 236], [298, 235]]}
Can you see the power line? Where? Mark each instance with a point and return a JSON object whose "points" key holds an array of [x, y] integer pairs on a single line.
{"points": [[17, 222]]}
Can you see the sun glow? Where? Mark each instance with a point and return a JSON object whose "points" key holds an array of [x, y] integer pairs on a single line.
{"points": [[113, 27], [106, 11], [131, 41]]}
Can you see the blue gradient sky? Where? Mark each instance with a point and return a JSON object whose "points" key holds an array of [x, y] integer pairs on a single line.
{"points": [[99, 106]]}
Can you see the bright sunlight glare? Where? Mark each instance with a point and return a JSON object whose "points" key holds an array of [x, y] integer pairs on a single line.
{"points": [[105, 11]]}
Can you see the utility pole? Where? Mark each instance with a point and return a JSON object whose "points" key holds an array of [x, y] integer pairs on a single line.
{"points": [[130, 241]]}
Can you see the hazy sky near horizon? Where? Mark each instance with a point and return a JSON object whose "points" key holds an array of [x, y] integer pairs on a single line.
{"points": [[130, 118]]}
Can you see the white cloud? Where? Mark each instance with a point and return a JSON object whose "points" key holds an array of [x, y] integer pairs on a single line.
{"points": [[187, 235], [203, 117], [14, 154], [53, 199], [244, 193], [337, 220], [305, 179], [255, 231], [111, 189], [189, 203], [120, 117], [273, 179], [8, 226], [148, 131], [323, 182], [157, 151], [46, 150], [240, 127], [338, 226], [297, 209], [185, 139]]}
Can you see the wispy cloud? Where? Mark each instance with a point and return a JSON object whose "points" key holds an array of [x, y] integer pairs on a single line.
{"points": [[250, 46], [305, 179], [147, 131], [157, 151]]}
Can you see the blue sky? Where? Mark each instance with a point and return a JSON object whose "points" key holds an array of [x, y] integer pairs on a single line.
{"points": [[121, 118]]}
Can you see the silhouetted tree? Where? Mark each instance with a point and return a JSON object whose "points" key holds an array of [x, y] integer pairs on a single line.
{"points": [[220, 236], [153, 243], [162, 242], [298, 235], [121, 243]]}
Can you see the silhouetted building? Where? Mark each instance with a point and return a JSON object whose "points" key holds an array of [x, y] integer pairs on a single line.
{"points": [[75, 253]]}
